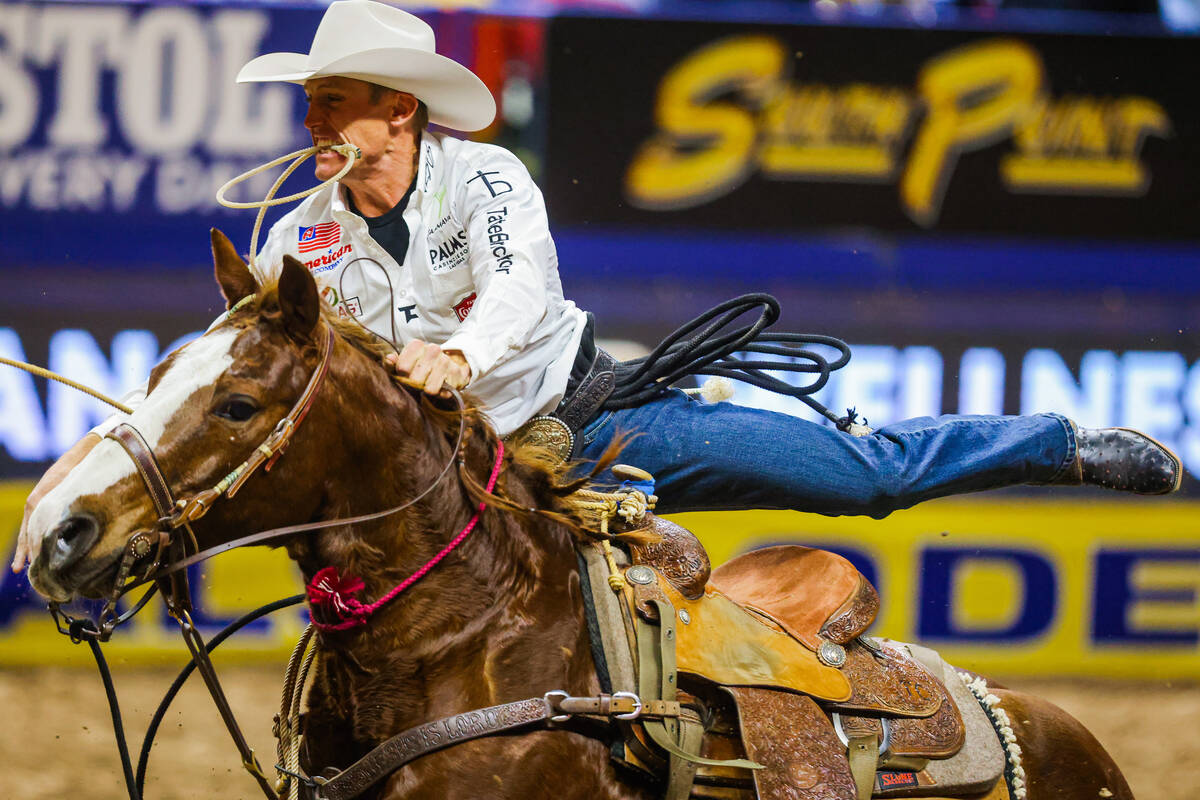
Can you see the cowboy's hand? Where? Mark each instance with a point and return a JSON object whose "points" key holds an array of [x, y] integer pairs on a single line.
{"points": [[431, 367]]}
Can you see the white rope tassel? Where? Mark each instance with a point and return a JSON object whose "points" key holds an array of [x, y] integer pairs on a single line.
{"points": [[715, 390], [1003, 725], [351, 153]]}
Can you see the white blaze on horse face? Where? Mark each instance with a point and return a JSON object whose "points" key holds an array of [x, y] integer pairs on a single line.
{"points": [[195, 368]]}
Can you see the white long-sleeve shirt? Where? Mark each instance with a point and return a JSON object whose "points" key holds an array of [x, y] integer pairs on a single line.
{"points": [[480, 275]]}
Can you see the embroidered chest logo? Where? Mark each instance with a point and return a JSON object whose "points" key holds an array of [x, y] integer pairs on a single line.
{"points": [[464, 307], [331, 260], [447, 250], [428, 167], [345, 307]]}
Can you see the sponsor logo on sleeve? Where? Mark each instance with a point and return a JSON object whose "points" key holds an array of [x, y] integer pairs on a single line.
{"points": [[496, 186], [464, 307], [498, 239]]}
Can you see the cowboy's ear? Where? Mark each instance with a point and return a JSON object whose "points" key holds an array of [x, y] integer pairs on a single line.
{"points": [[233, 276], [404, 105], [298, 299]]}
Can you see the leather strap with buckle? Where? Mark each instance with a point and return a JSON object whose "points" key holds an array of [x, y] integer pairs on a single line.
{"points": [[409, 745]]}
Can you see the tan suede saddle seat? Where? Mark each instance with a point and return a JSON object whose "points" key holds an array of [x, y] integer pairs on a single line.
{"points": [[812, 594]]}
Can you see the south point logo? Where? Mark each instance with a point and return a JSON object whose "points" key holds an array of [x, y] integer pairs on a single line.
{"points": [[966, 99]]}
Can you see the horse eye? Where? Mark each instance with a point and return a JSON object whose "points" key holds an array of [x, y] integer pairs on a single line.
{"points": [[238, 408]]}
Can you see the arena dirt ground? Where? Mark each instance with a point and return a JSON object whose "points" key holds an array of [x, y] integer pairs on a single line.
{"points": [[57, 740]]}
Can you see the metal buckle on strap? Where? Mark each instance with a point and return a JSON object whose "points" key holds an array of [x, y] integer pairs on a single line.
{"points": [[885, 743], [561, 695], [637, 705], [558, 697]]}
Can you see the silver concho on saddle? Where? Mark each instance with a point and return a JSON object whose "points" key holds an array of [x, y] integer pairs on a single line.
{"points": [[770, 652]]}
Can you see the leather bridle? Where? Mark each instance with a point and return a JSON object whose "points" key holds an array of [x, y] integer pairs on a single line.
{"points": [[165, 541], [169, 547], [173, 552]]}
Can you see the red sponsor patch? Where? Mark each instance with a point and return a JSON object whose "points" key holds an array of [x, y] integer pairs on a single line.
{"points": [[464, 306], [893, 780]]}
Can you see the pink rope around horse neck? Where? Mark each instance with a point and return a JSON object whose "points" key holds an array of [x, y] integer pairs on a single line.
{"points": [[333, 593]]}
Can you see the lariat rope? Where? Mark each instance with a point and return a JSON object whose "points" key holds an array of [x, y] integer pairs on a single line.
{"points": [[630, 502], [54, 376], [287, 724], [349, 151]]}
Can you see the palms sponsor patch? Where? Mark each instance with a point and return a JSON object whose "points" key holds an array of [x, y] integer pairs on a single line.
{"points": [[447, 248]]}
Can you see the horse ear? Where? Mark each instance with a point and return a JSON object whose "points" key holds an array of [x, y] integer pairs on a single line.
{"points": [[233, 276], [298, 299]]}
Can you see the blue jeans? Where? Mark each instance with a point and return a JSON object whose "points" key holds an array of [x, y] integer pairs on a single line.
{"points": [[724, 456]]}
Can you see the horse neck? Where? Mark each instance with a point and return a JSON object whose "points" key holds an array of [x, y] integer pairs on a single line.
{"points": [[492, 622]]}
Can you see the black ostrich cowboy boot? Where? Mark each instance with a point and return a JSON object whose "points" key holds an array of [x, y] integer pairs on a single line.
{"points": [[1123, 459]]}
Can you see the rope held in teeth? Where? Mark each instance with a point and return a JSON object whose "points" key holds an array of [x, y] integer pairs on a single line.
{"points": [[351, 153]]}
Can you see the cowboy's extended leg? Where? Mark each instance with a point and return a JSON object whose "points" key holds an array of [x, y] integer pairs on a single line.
{"points": [[725, 456]]}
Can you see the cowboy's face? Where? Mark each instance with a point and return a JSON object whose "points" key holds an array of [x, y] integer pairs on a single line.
{"points": [[341, 110]]}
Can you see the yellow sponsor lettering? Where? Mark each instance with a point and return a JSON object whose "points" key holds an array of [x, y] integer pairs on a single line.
{"points": [[1084, 145], [823, 131], [728, 109], [974, 95], [707, 143]]}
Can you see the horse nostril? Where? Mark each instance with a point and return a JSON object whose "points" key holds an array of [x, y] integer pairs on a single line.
{"points": [[72, 538]]}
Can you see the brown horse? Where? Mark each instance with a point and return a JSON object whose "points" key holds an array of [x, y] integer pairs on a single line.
{"points": [[500, 619]]}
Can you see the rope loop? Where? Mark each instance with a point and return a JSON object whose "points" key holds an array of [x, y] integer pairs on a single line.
{"points": [[349, 151], [706, 346]]}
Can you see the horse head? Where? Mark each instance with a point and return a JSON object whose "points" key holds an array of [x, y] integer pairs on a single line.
{"points": [[209, 404]]}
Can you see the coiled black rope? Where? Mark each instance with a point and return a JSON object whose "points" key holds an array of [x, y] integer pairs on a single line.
{"points": [[703, 347]]}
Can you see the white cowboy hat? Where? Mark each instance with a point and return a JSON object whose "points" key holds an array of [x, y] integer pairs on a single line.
{"points": [[380, 44]]}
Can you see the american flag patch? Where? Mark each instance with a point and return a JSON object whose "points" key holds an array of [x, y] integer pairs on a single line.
{"points": [[321, 236]]}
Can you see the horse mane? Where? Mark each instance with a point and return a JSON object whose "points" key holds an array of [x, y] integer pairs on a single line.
{"points": [[554, 485]]}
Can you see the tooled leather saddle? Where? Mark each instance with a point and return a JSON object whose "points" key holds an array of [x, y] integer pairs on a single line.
{"points": [[771, 652]]}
